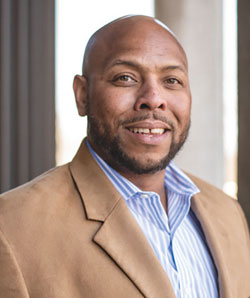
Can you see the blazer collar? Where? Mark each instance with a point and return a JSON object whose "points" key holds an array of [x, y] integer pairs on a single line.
{"points": [[119, 235], [215, 227]]}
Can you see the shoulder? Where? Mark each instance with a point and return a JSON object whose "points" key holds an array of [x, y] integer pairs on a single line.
{"points": [[213, 198], [41, 200], [47, 183], [219, 204], [207, 188], [212, 195], [39, 212]]}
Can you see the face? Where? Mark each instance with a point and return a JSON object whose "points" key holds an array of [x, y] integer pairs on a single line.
{"points": [[138, 101]]}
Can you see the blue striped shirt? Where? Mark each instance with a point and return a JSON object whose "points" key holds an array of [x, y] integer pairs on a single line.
{"points": [[177, 238]]}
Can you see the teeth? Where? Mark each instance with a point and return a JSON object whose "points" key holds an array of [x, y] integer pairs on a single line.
{"points": [[159, 131], [143, 130], [153, 131]]}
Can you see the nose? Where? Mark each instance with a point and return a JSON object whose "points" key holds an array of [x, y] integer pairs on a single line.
{"points": [[150, 98]]}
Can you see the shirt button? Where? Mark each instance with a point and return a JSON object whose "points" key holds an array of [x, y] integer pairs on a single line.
{"points": [[144, 196], [188, 291]]}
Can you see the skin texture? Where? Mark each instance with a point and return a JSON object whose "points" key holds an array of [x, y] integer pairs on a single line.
{"points": [[135, 75]]}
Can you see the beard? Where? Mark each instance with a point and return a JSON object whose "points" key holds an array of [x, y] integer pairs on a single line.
{"points": [[113, 151]]}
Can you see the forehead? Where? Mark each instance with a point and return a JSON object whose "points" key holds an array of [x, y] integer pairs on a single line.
{"points": [[144, 55], [150, 44]]}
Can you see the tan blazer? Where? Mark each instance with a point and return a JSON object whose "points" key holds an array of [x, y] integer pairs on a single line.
{"points": [[69, 234]]}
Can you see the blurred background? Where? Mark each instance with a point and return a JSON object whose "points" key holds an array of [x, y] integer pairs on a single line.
{"points": [[41, 49]]}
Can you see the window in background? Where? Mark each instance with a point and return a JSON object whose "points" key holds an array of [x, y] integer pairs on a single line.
{"points": [[76, 20], [230, 96]]}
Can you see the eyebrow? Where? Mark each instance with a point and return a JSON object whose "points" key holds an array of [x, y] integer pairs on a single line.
{"points": [[173, 67], [124, 62], [137, 65]]}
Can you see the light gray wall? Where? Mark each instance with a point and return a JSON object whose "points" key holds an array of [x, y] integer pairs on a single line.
{"points": [[198, 26]]}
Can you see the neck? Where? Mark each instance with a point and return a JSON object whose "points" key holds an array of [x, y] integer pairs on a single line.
{"points": [[146, 182], [150, 182]]}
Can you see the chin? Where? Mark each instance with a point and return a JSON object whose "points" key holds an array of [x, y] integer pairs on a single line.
{"points": [[139, 165]]}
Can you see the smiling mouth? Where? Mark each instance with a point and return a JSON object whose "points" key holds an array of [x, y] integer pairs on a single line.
{"points": [[147, 131]]}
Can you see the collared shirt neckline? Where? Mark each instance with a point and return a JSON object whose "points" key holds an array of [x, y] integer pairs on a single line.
{"points": [[175, 180]]}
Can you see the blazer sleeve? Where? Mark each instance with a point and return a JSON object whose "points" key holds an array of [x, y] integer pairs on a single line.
{"points": [[12, 283]]}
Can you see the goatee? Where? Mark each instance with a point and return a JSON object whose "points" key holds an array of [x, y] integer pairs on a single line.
{"points": [[116, 157]]}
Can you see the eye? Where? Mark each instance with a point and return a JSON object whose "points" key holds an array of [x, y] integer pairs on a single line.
{"points": [[124, 80], [173, 81]]}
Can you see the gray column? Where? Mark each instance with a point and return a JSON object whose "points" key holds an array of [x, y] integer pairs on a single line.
{"points": [[244, 105], [27, 112], [198, 26]]}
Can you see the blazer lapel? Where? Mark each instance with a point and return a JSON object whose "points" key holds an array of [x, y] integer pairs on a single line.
{"points": [[215, 232], [119, 235]]}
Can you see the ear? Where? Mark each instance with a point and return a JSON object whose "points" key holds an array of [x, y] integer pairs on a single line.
{"points": [[80, 86]]}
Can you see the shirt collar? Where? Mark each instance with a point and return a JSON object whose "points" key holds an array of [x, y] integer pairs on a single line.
{"points": [[175, 180]]}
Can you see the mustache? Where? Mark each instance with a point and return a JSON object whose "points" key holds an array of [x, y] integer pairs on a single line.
{"points": [[148, 116]]}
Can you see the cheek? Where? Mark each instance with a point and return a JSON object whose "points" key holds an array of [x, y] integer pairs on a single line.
{"points": [[112, 103], [108, 108], [180, 106], [120, 100]]}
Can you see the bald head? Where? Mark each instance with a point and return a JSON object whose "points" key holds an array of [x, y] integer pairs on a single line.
{"points": [[124, 30]]}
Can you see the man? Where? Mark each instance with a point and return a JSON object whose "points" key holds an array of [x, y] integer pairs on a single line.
{"points": [[121, 220]]}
